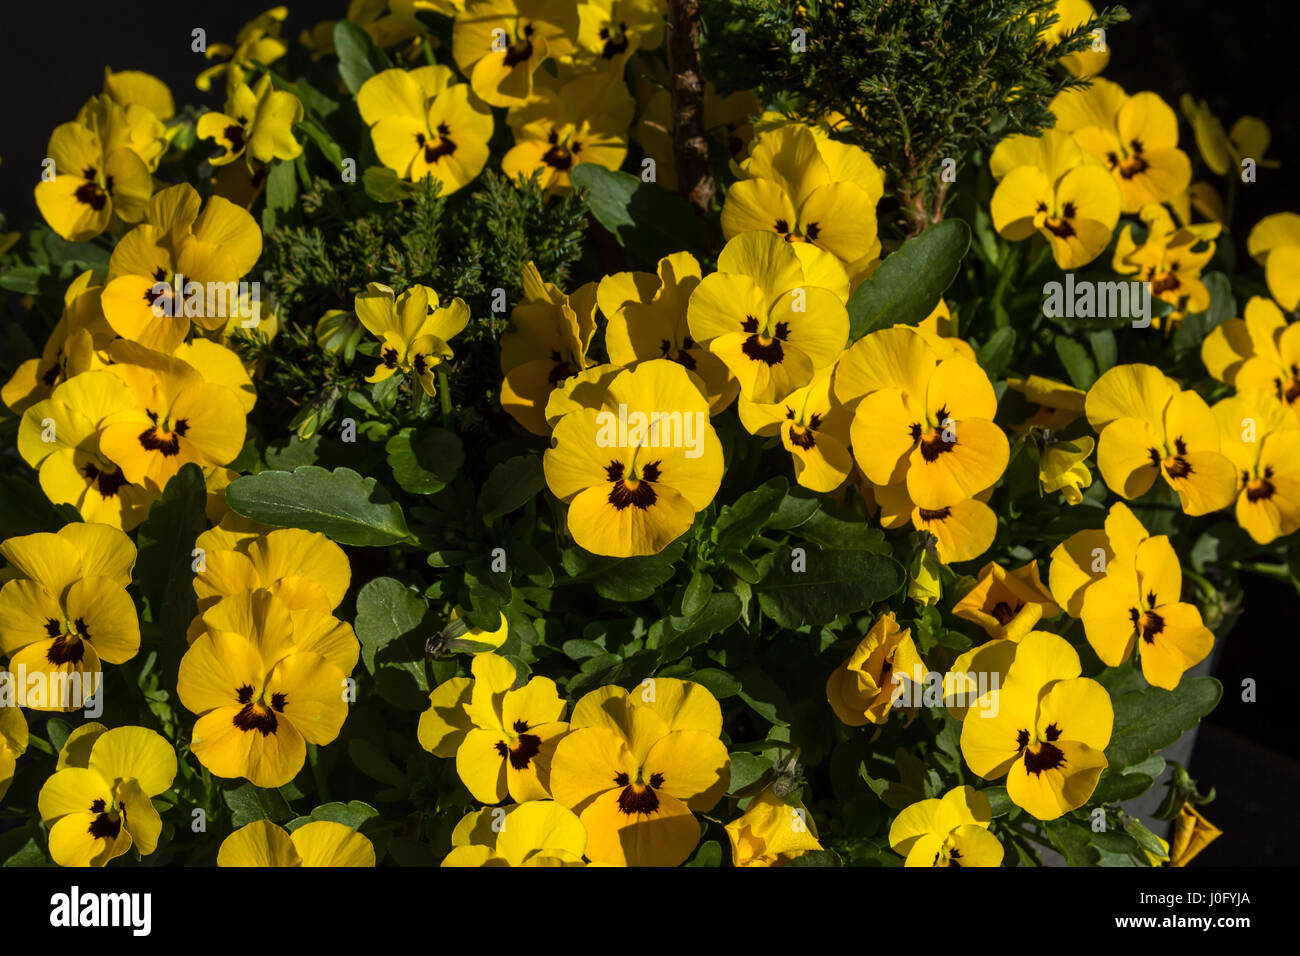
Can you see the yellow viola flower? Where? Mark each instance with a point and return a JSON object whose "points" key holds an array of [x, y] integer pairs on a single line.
{"points": [[977, 671], [78, 344], [923, 421], [319, 843], [315, 629], [258, 41], [583, 120], [135, 88], [806, 187], [178, 417], [1073, 14], [1045, 729], [1081, 560], [939, 329], [257, 124], [864, 688], [1061, 465], [765, 317], [813, 427], [535, 833], [1150, 428], [1074, 206], [423, 123], [1136, 137], [210, 248], [304, 569], [1222, 151], [961, 531], [610, 31], [91, 184], [499, 44], [1275, 244], [97, 803], [1007, 605], [1192, 834], [260, 694], [1056, 404], [948, 831], [13, 735], [60, 438], [771, 832], [1170, 260], [636, 767], [1258, 352], [65, 611], [1262, 439], [503, 739], [646, 319], [549, 343], [413, 330], [1136, 606], [635, 470], [129, 126]]}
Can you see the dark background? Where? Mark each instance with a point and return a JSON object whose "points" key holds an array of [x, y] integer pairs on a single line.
{"points": [[1238, 56]]}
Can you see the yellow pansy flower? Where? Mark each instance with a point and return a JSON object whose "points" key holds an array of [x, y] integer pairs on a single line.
{"points": [[1222, 151], [60, 438], [923, 421], [765, 315], [503, 739], [1275, 244], [1170, 259], [646, 319], [130, 126], [318, 843], [535, 833], [810, 188], [610, 31], [65, 611], [948, 831], [1045, 729], [212, 247], [1192, 834], [257, 124], [1073, 14], [1149, 428], [91, 183], [548, 344], [499, 44], [635, 469], [771, 832], [387, 23], [962, 530], [304, 569], [262, 692], [78, 344], [1081, 559], [1258, 352], [1262, 438], [258, 41], [863, 689], [135, 88], [1061, 465], [583, 120], [813, 427], [1136, 137], [1007, 605], [1056, 404], [636, 767], [413, 330], [423, 123], [97, 803], [13, 735]]}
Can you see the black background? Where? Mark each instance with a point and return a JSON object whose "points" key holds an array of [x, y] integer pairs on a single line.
{"points": [[1238, 56]]}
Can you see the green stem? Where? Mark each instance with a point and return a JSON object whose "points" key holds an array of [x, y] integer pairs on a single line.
{"points": [[318, 775], [1279, 572], [444, 396]]}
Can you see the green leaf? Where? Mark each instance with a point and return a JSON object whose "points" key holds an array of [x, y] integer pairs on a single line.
{"points": [[1197, 325], [842, 535], [282, 187], [721, 684], [331, 150], [832, 583], [696, 595], [910, 281], [386, 611], [384, 185], [424, 460], [817, 858], [623, 579], [164, 568], [1149, 719], [351, 814], [747, 768], [738, 523], [1104, 350], [341, 504], [24, 509], [511, 485], [1078, 364], [720, 613], [994, 354], [374, 763], [648, 221], [359, 58], [248, 804], [709, 854]]}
